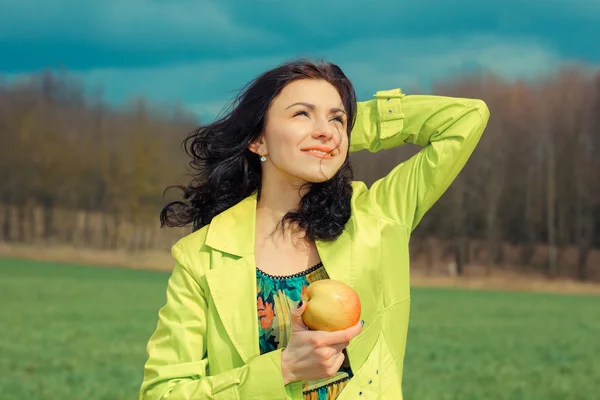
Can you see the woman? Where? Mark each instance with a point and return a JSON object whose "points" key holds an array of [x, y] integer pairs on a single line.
{"points": [[274, 208]]}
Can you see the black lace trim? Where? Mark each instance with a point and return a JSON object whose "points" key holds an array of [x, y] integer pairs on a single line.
{"points": [[344, 379], [296, 275]]}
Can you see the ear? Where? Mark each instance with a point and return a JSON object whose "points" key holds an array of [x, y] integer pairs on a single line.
{"points": [[258, 146]]}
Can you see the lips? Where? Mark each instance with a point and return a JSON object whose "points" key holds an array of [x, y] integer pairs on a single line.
{"points": [[320, 151], [319, 154]]}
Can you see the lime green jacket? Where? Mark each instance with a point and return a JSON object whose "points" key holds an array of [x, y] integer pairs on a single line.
{"points": [[205, 345]]}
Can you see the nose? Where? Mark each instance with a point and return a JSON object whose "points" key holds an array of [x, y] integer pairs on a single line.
{"points": [[327, 135], [322, 131], [323, 135]]}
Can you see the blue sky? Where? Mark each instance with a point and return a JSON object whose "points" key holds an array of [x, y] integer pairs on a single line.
{"points": [[201, 52]]}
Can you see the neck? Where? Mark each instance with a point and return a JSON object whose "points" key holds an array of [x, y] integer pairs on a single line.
{"points": [[277, 198]]}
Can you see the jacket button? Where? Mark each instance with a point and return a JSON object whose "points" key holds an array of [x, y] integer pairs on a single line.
{"points": [[360, 393], [370, 381], [377, 372]]}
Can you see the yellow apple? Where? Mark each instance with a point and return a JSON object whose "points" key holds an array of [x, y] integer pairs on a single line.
{"points": [[331, 305]]}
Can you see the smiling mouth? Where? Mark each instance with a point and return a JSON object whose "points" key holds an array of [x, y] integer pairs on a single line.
{"points": [[319, 153]]}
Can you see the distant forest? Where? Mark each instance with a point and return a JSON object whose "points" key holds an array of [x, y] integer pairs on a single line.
{"points": [[76, 171]]}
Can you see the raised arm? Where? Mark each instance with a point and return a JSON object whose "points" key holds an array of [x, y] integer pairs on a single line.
{"points": [[177, 366], [447, 128]]}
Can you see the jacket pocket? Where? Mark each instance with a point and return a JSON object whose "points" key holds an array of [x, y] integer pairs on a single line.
{"points": [[390, 381], [377, 374]]}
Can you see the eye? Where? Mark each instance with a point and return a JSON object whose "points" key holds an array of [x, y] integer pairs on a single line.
{"points": [[339, 118], [301, 113]]}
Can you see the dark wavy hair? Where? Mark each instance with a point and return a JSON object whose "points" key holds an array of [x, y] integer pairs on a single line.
{"points": [[226, 171]]}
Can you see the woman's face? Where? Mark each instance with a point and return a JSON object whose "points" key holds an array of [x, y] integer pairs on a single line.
{"points": [[304, 137]]}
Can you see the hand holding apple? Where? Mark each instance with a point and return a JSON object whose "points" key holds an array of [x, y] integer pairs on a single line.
{"points": [[331, 305], [313, 354]]}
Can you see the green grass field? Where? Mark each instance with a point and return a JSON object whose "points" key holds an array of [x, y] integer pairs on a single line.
{"points": [[74, 332]]}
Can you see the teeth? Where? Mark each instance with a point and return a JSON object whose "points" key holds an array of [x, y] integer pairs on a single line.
{"points": [[318, 152]]}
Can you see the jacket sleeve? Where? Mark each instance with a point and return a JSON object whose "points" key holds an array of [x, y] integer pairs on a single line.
{"points": [[447, 128], [177, 365]]}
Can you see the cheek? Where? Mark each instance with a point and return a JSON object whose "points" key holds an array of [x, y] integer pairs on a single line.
{"points": [[344, 146], [281, 147], [283, 141]]}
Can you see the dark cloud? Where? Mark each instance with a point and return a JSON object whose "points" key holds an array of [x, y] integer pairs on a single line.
{"points": [[84, 34], [202, 52]]}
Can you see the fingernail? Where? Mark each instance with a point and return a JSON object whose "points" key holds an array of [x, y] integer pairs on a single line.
{"points": [[362, 322], [299, 304]]}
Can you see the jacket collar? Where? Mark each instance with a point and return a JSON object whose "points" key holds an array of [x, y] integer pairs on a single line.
{"points": [[233, 230]]}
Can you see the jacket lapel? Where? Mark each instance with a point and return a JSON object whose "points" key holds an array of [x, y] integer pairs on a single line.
{"points": [[233, 289], [337, 256], [232, 281]]}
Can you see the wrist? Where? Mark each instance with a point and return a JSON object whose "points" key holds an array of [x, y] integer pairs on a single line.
{"points": [[286, 369]]}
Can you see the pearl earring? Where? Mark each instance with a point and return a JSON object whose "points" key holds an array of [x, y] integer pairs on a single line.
{"points": [[263, 158]]}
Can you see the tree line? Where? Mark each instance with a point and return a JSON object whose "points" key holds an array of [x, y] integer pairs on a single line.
{"points": [[76, 171]]}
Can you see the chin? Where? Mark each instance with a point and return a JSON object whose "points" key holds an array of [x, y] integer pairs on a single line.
{"points": [[311, 173], [317, 180], [318, 177]]}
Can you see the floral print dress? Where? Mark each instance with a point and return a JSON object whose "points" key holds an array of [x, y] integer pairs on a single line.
{"points": [[276, 296]]}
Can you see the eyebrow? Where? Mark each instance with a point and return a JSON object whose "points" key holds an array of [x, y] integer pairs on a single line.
{"points": [[312, 107]]}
